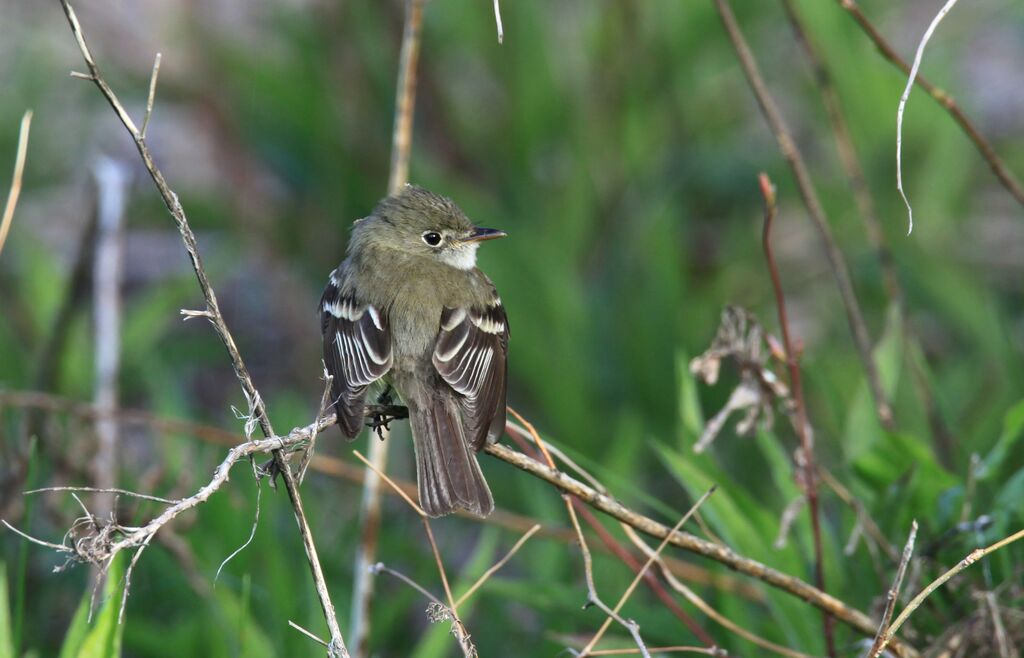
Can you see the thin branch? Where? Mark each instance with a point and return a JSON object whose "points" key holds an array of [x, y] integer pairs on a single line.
{"points": [[809, 478], [405, 96], [840, 271], [916, 602], [110, 490], [307, 633], [592, 597], [903, 104], [381, 568], [894, 592], [152, 94], [498, 565], [985, 149], [458, 628], [719, 553], [600, 501], [369, 512], [337, 644], [702, 605], [19, 170], [640, 574]]}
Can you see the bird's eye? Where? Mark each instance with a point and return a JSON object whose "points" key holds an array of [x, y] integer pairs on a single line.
{"points": [[432, 238]]}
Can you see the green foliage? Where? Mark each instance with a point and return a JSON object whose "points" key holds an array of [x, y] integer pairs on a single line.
{"points": [[101, 636]]}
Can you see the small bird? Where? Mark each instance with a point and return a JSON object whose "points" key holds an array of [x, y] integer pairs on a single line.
{"points": [[409, 306]]}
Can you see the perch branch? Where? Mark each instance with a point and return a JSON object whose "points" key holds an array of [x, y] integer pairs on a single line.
{"points": [[257, 410]]}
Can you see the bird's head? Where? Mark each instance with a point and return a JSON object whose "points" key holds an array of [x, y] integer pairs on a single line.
{"points": [[418, 222]]}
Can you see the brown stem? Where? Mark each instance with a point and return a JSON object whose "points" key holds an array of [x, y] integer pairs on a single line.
{"points": [[803, 430]]}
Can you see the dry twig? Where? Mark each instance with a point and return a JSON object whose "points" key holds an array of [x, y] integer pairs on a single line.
{"points": [[19, 170], [894, 592], [916, 602], [809, 478], [640, 574], [258, 415]]}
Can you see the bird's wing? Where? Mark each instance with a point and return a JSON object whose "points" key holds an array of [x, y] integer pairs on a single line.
{"points": [[471, 355], [357, 352]]}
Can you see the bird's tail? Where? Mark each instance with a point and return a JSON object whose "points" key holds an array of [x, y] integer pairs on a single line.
{"points": [[448, 474]]}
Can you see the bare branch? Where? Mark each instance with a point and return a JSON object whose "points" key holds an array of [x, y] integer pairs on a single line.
{"points": [[701, 605], [640, 574], [894, 592], [337, 644], [19, 170], [809, 477], [497, 21], [152, 94], [405, 96], [498, 565]]}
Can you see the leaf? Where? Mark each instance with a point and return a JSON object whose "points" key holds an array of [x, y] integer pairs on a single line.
{"points": [[104, 640], [6, 633], [1013, 430]]}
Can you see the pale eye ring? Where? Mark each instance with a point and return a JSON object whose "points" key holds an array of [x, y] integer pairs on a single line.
{"points": [[432, 238]]}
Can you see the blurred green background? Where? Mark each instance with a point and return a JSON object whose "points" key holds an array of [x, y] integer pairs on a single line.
{"points": [[618, 145]]}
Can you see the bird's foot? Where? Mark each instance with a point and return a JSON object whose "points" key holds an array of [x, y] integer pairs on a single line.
{"points": [[380, 416]]}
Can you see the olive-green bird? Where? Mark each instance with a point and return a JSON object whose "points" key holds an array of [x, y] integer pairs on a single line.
{"points": [[408, 306]]}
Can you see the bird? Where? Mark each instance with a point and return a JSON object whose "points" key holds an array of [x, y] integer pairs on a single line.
{"points": [[409, 308]]}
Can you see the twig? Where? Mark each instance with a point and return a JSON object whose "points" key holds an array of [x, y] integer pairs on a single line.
{"points": [[110, 490], [693, 544], [592, 597], [458, 628], [792, 154], [337, 644], [369, 512], [640, 574], [498, 565], [405, 96], [894, 592], [307, 633], [809, 477], [19, 170], [916, 602], [702, 605], [988, 153], [602, 502], [381, 568], [903, 104], [152, 94]]}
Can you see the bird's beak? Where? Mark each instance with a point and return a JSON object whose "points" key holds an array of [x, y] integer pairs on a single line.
{"points": [[481, 234]]}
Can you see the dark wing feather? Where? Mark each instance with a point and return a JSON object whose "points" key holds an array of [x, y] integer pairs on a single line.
{"points": [[357, 352], [471, 355]]}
